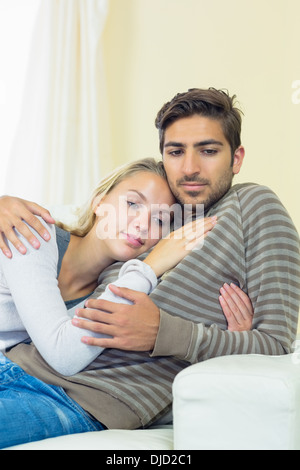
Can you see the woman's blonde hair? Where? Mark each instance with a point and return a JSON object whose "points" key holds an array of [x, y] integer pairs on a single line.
{"points": [[86, 214]]}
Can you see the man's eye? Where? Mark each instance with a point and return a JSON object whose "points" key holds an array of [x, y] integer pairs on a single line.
{"points": [[210, 152], [175, 153], [158, 221], [162, 220]]}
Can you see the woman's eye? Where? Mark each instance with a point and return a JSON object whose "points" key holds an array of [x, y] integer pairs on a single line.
{"points": [[132, 204]]}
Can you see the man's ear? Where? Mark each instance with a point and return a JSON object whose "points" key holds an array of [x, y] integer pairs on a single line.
{"points": [[238, 159]]}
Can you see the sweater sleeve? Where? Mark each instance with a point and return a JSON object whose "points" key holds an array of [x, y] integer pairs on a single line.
{"points": [[257, 246], [33, 286], [134, 274]]}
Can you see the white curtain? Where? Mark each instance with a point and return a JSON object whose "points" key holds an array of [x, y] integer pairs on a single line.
{"points": [[62, 143]]}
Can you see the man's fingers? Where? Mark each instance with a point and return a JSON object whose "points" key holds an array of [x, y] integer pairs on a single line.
{"points": [[3, 247], [109, 306], [25, 231], [18, 225], [100, 342], [15, 214], [100, 307], [94, 326], [34, 223], [21, 228], [14, 240], [125, 293], [41, 211], [93, 314]]}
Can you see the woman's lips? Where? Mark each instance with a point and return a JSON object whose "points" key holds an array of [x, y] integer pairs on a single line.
{"points": [[134, 241]]}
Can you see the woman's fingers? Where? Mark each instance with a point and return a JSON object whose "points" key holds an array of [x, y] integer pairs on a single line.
{"points": [[195, 234], [237, 308]]}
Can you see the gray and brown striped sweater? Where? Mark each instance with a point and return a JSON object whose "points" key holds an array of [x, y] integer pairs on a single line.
{"points": [[255, 245]]}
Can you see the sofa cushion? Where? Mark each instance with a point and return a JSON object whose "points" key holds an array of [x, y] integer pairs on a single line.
{"points": [[156, 438], [238, 402]]}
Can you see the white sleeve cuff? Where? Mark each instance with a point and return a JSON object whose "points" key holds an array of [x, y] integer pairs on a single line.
{"points": [[142, 270]]}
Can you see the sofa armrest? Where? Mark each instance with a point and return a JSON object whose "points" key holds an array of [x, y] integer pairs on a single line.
{"points": [[238, 402]]}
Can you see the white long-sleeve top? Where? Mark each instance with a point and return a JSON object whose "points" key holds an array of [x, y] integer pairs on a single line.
{"points": [[32, 309]]}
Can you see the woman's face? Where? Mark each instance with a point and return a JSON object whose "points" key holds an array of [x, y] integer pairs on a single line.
{"points": [[134, 215]]}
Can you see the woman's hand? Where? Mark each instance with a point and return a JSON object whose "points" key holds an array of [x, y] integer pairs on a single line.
{"points": [[14, 212], [170, 250], [237, 308]]}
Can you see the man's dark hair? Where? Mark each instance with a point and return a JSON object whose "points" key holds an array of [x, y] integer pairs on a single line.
{"points": [[210, 103]]}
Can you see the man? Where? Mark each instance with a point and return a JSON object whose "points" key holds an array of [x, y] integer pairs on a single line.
{"points": [[254, 245]]}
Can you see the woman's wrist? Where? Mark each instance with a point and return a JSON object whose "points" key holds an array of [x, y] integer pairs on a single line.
{"points": [[154, 264]]}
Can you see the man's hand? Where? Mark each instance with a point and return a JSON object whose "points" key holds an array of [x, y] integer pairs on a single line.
{"points": [[13, 213], [131, 327]]}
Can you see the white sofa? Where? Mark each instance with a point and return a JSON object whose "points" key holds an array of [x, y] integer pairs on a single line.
{"points": [[233, 402]]}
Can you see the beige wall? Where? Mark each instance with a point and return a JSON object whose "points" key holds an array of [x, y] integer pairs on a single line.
{"points": [[156, 48]]}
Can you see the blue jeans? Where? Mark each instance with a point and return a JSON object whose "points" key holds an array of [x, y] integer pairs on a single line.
{"points": [[31, 410]]}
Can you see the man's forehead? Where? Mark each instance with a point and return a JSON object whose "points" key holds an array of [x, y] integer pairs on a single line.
{"points": [[194, 124], [194, 130]]}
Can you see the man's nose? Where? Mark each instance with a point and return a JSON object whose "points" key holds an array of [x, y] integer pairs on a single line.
{"points": [[191, 163]]}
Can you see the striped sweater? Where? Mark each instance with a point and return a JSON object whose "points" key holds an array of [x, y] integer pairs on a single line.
{"points": [[255, 245]]}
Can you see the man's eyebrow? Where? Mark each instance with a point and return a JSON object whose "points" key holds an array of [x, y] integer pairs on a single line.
{"points": [[208, 142], [202, 143], [174, 144]]}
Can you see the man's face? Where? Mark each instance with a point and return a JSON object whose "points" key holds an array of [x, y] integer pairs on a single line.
{"points": [[197, 158]]}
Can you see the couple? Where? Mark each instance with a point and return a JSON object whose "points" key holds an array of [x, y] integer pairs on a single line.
{"points": [[252, 248]]}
